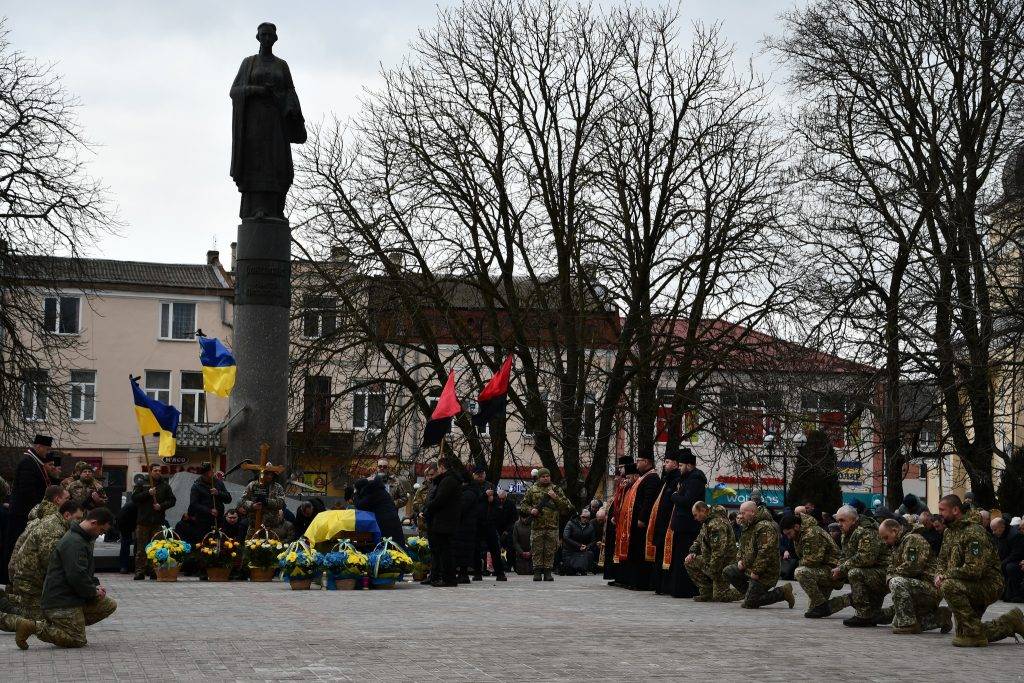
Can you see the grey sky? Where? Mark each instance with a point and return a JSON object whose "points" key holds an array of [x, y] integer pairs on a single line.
{"points": [[153, 79]]}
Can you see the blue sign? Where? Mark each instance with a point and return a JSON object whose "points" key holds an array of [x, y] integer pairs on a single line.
{"points": [[771, 497]]}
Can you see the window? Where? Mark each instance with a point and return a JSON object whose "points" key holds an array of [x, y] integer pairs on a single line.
{"points": [[686, 424], [750, 415], [60, 314], [177, 321], [827, 413], [531, 426], [319, 317], [83, 395], [158, 385], [34, 388], [193, 398], [316, 400], [589, 417], [368, 409]]}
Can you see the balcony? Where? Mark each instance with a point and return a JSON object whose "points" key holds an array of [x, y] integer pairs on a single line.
{"points": [[199, 434]]}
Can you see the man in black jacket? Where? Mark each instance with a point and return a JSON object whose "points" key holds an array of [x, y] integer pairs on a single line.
{"points": [[72, 595], [488, 518], [691, 488], [207, 499], [442, 516], [1010, 544], [36, 470], [153, 498]]}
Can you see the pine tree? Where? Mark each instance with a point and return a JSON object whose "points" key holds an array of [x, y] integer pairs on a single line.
{"points": [[816, 475]]}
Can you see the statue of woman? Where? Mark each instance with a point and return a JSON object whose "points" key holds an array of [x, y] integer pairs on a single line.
{"points": [[265, 119]]}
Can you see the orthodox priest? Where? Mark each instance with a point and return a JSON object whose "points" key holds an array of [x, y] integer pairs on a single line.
{"points": [[661, 516], [631, 527], [625, 476], [683, 530]]}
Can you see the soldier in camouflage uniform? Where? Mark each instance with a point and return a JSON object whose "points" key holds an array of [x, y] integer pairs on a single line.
{"points": [[818, 555], [29, 562], [711, 553], [970, 578], [68, 481], [86, 490], [915, 601], [53, 498], [419, 500], [545, 502], [265, 492], [757, 571], [863, 561]]}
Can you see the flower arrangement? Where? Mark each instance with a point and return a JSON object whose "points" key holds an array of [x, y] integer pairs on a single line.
{"points": [[298, 560], [389, 561], [167, 553], [419, 549], [261, 553], [344, 562], [218, 550]]}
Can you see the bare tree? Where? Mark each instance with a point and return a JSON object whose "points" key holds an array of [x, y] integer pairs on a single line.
{"points": [[909, 107], [48, 205]]}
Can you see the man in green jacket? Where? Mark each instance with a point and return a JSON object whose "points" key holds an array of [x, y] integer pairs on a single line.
{"points": [[711, 553], [545, 502], [72, 596], [863, 562], [818, 557], [911, 573], [757, 571]]}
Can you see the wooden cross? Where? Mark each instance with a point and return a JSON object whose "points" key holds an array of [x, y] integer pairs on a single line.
{"points": [[263, 466]]}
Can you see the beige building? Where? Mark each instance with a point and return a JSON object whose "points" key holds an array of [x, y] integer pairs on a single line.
{"points": [[127, 318]]}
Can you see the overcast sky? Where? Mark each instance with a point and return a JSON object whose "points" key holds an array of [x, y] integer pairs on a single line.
{"points": [[153, 81]]}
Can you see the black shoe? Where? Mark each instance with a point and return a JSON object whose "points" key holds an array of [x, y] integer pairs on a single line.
{"points": [[501, 577], [819, 612], [139, 577], [857, 622], [547, 576], [478, 577], [537, 576]]}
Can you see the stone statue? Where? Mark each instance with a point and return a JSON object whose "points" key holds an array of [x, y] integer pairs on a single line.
{"points": [[265, 120]]}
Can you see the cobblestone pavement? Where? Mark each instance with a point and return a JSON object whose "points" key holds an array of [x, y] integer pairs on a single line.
{"points": [[575, 628]]}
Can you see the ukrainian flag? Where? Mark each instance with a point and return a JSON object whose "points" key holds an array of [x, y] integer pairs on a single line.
{"points": [[218, 366], [328, 524], [720, 490], [155, 417]]}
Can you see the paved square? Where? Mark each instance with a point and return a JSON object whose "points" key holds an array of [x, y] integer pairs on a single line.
{"points": [[576, 628]]}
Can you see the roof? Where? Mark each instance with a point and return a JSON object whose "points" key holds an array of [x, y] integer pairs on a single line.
{"points": [[734, 346], [113, 274]]}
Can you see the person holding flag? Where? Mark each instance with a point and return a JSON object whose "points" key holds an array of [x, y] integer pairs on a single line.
{"points": [[218, 366], [494, 396], [155, 417], [440, 422]]}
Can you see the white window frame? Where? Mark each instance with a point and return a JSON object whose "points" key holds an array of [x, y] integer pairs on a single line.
{"points": [[167, 307], [57, 319], [366, 393], [158, 393], [38, 413], [88, 397], [320, 312], [199, 399]]}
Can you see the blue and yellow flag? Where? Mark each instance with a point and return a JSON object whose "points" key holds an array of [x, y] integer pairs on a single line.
{"points": [[155, 417], [218, 366], [720, 490], [328, 524]]}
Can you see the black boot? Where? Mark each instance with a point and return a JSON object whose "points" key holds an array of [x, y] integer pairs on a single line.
{"points": [[537, 576], [501, 577], [547, 575]]}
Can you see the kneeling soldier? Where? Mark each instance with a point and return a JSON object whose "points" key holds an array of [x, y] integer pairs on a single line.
{"points": [[757, 571], [915, 601], [818, 555], [863, 562], [711, 553]]}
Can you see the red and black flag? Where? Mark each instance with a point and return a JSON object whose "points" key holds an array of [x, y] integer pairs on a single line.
{"points": [[493, 398], [440, 422]]}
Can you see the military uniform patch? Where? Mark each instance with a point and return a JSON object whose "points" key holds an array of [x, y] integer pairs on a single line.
{"points": [[912, 555], [975, 548]]}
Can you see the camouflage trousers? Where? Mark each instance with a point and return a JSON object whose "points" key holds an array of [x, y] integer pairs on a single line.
{"points": [[969, 600], [710, 580], [818, 583], [66, 627], [543, 544], [755, 593], [868, 590], [914, 601]]}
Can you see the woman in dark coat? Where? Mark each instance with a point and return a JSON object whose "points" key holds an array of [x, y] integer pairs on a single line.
{"points": [[371, 496], [578, 538], [303, 518], [464, 545]]}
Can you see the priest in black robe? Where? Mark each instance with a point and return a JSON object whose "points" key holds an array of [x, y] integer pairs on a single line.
{"points": [[661, 516], [640, 500], [691, 488]]}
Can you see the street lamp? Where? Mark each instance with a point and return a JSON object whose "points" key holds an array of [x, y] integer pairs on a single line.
{"points": [[769, 446]]}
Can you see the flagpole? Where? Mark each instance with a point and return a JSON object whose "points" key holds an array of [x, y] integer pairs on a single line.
{"points": [[145, 451]]}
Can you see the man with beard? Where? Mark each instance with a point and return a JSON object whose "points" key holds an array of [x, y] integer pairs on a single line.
{"points": [[661, 517], [683, 529], [631, 526]]}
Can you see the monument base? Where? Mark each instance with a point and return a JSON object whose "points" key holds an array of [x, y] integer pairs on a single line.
{"points": [[260, 343]]}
